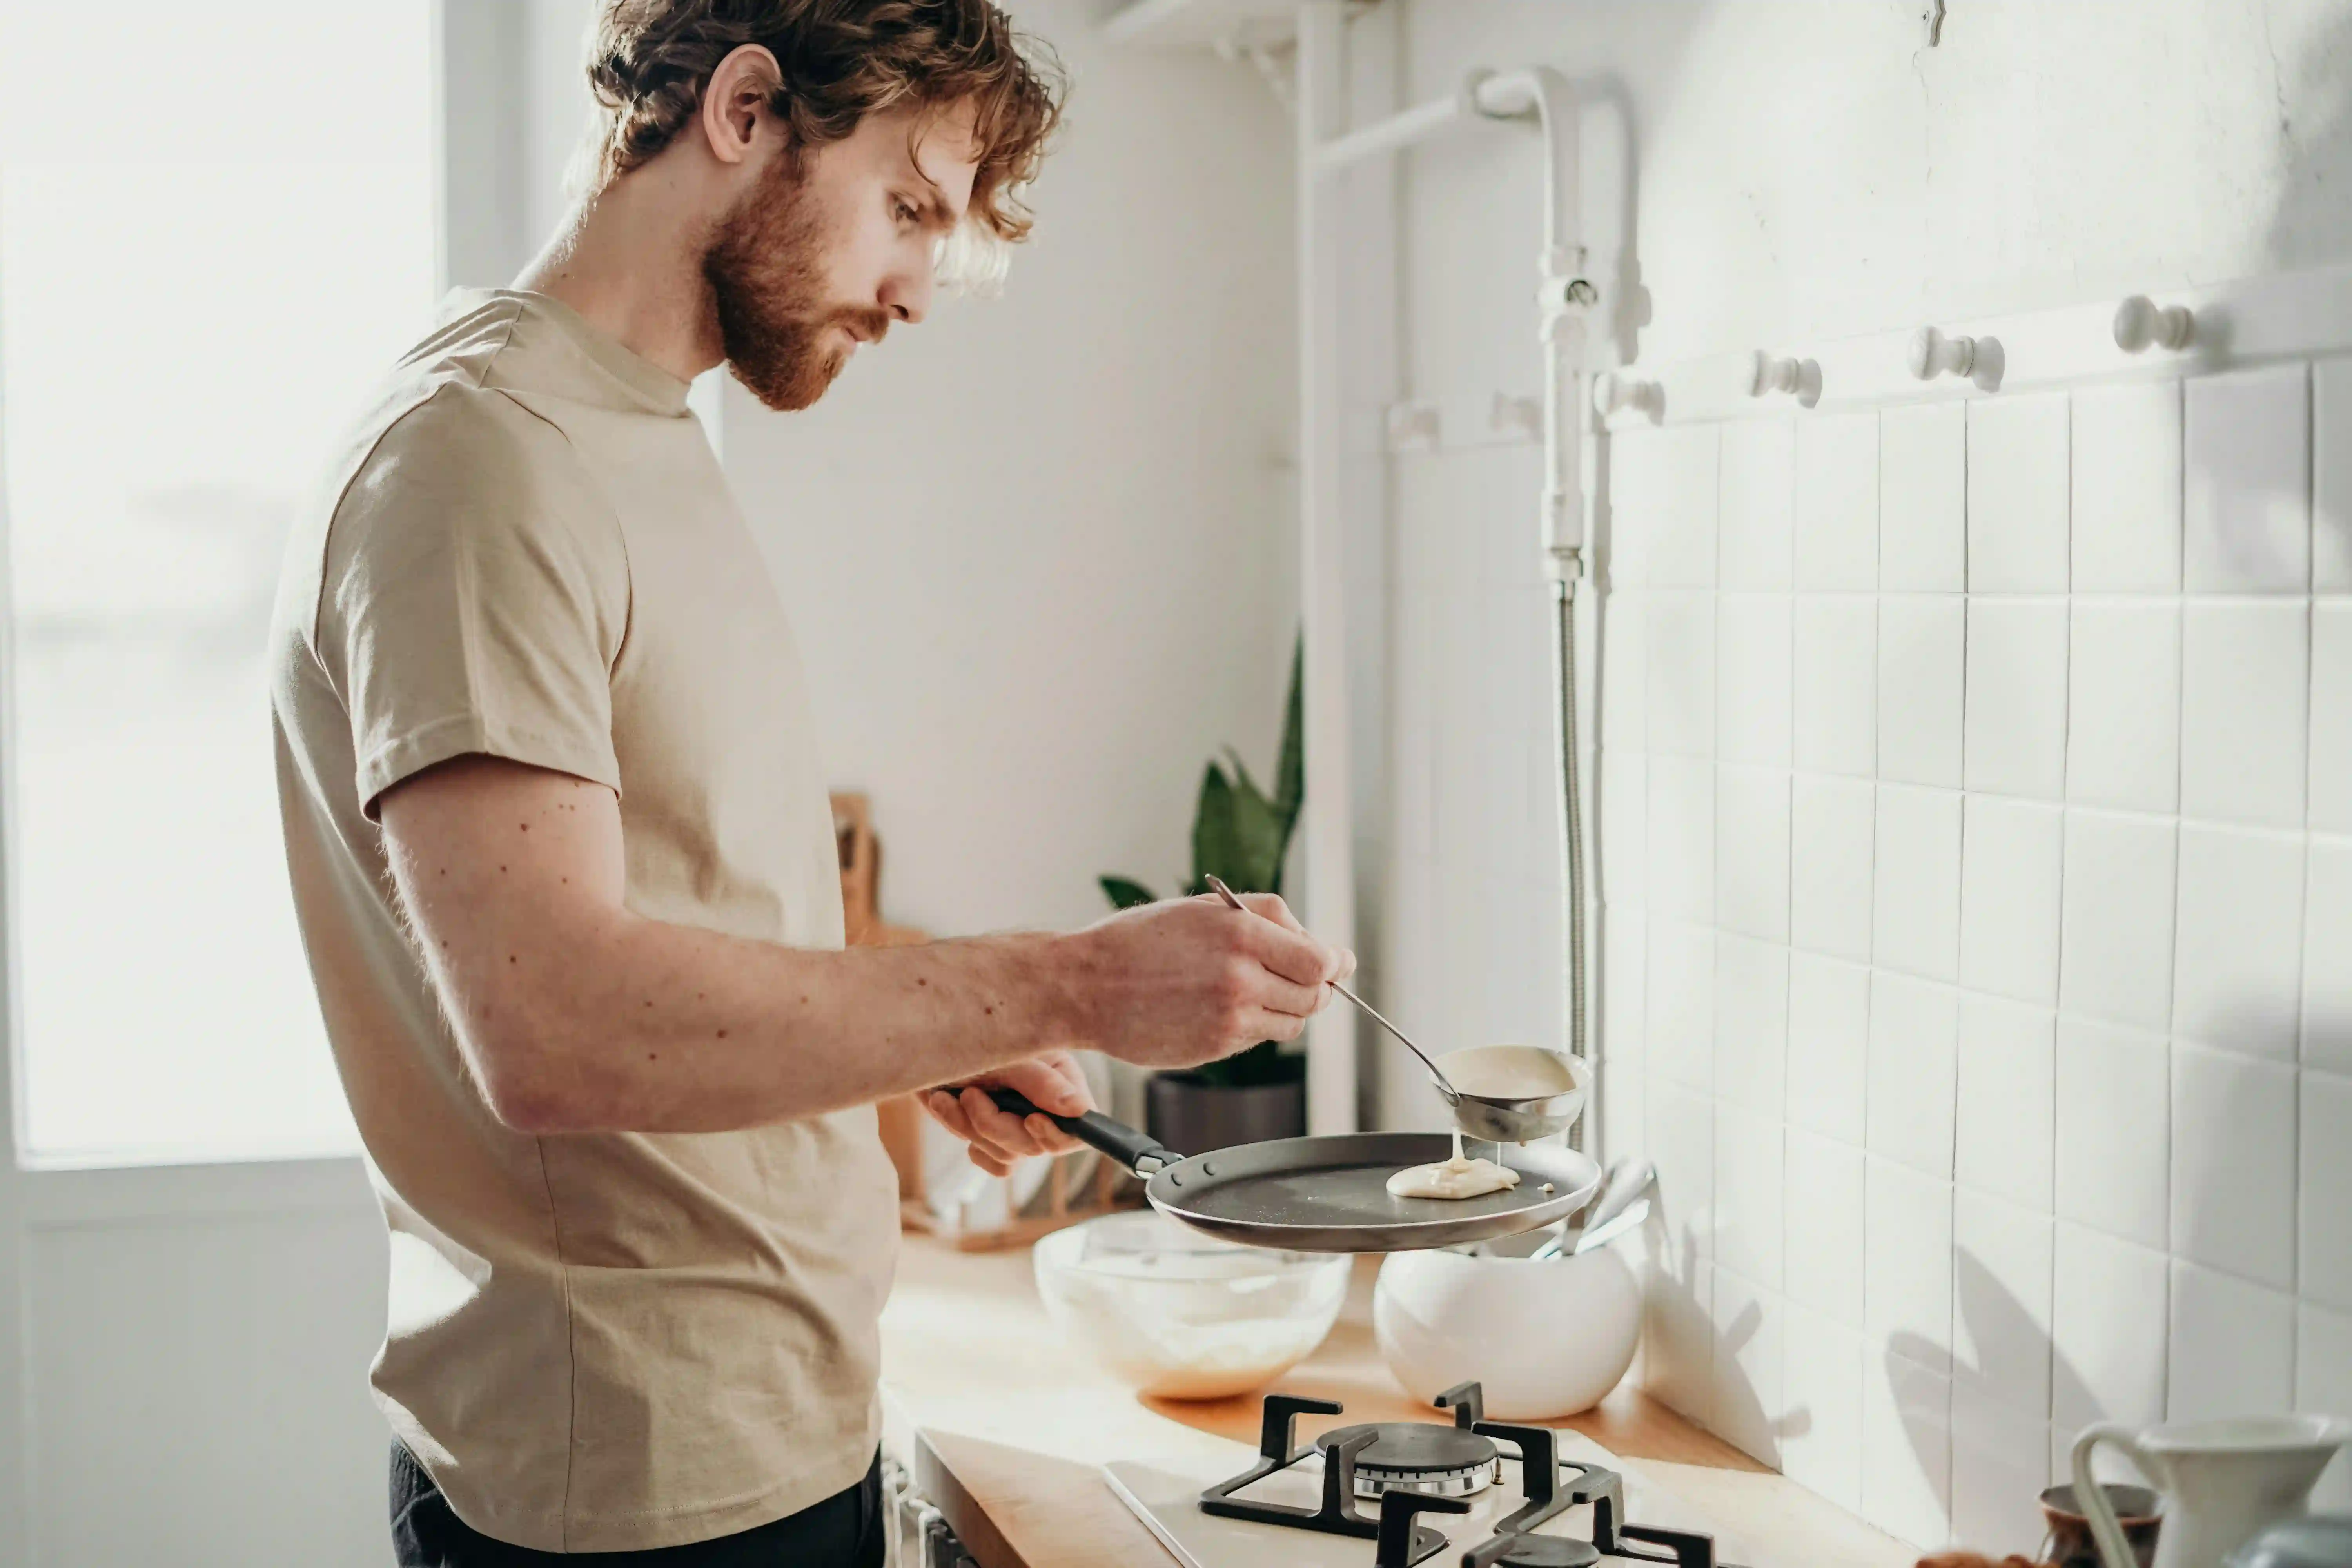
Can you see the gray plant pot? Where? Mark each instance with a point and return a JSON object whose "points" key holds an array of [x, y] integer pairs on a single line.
{"points": [[1193, 1117]]}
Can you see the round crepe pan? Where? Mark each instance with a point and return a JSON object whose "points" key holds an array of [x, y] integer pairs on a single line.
{"points": [[1330, 1193]]}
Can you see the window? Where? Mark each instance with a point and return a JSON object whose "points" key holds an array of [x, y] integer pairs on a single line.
{"points": [[216, 230]]}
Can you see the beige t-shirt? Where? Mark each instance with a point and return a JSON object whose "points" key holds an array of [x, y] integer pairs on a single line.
{"points": [[595, 1343]]}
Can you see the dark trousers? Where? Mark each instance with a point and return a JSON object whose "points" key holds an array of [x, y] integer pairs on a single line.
{"points": [[844, 1530]]}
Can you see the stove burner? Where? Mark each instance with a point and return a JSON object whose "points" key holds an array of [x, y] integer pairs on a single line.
{"points": [[1438, 1461], [1414, 1468]]}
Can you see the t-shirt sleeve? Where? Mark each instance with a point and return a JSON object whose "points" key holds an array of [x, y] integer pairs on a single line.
{"points": [[475, 598]]}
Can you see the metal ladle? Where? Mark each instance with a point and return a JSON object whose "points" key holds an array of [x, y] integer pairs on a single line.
{"points": [[1452, 1096], [1497, 1120]]}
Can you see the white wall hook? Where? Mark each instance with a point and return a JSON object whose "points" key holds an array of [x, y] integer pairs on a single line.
{"points": [[1802, 377], [2141, 323], [1413, 426], [1933, 354], [1613, 394], [1772, 374], [1520, 416]]}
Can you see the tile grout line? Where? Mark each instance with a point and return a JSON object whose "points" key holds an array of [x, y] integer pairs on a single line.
{"points": [[2049, 1329]]}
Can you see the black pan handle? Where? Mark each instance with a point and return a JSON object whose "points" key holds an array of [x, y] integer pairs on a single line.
{"points": [[1139, 1151]]}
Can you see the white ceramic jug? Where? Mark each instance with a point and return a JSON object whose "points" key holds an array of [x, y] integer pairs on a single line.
{"points": [[2221, 1481]]}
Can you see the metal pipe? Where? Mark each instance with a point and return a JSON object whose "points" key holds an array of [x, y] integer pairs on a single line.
{"points": [[1401, 130], [1564, 293], [1328, 828], [1541, 92]]}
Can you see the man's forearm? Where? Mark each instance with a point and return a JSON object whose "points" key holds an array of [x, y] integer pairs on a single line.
{"points": [[670, 1028], [577, 1014]]}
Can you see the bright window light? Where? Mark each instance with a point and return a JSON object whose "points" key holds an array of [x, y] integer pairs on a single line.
{"points": [[216, 230]]}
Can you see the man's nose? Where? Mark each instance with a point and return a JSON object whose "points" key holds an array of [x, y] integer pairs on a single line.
{"points": [[908, 295]]}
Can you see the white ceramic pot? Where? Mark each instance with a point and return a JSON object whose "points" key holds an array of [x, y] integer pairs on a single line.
{"points": [[1544, 1338]]}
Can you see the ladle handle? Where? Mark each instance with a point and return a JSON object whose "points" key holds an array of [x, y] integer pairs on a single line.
{"points": [[2106, 1531], [1403, 1038], [1445, 1087]]}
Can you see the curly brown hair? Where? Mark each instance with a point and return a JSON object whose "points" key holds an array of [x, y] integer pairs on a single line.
{"points": [[842, 60]]}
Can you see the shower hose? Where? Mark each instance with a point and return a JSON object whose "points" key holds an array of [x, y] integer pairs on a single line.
{"points": [[1571, 795]]}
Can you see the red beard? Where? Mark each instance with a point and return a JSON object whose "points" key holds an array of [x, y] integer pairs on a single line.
{"points": [[767, 285]]}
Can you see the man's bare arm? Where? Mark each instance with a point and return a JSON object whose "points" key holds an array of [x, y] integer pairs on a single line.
{"points": [[577, 1015]]}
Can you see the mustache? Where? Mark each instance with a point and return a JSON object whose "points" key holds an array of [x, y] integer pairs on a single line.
{"points": [[867, 323]]}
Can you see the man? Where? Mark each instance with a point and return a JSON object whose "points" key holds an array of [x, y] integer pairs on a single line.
{"points": [[559, 841]]}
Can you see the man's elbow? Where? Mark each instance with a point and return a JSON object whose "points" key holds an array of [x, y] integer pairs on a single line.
{"points": [[532, 1085]]}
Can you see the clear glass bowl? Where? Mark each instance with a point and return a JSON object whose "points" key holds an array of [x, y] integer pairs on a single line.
{"points": [[1183, 1315]]}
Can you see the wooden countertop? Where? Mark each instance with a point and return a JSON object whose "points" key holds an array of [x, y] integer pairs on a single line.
{"points": [[1004, 1422]]}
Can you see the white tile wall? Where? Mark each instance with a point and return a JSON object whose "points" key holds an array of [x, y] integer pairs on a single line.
{"points": [[2326, 978], [2004, 1139], [2232, 1346], [2325, 1223], [2331, 717], [2123, 709], [2011, 855], [1912, 1074], [2323, 1385], [1836, 684], [2241, 949], [2114, 958], [1751, 1024], [1982, 936], [2246, 521], [2244, 691], [1751, 851], [1834, 821], [2114, 1091], [1750, 1321], [2017, 482], [1907, 1446], [1753, 678], [2001, 1264], [1998, 1468], [1758, 493], [1749, 1191], [1916, 895], [1922, 664], [1825, 1219], [1829, 1046], [2015, 741], [2331, 479], [1837, 503], [1907, 1266], [2233, 1170], [1821, 1376], [2126, 490], [2108, 1312], [1923, 493]]}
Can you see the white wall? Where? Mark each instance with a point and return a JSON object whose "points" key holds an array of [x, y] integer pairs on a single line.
{"points": [[1909, 1325], [1038, 550], [1811, 167]]}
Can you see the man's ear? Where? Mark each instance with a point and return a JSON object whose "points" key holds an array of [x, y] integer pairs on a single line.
{"points": [[738, 96]]}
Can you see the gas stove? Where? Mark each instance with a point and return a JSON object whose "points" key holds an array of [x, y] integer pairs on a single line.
{"points": [[1480, 1493]]}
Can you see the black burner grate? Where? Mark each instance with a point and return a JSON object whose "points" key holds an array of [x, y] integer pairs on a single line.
{"points": [[1401, 1462]]}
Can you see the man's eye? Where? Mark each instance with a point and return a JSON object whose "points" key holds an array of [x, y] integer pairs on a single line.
{"points": [[904, 213]]}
